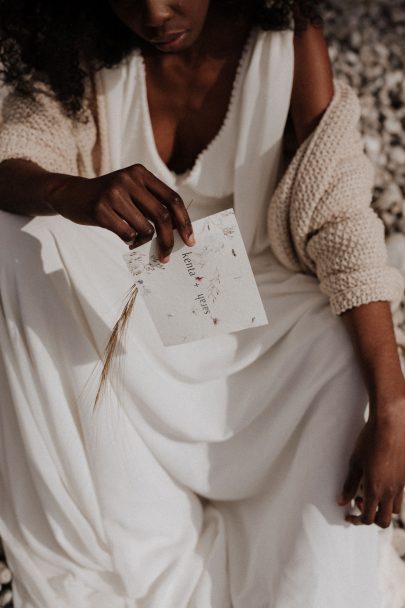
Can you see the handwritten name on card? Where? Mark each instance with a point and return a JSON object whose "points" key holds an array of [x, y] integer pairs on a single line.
{"points": [[203, 290]]}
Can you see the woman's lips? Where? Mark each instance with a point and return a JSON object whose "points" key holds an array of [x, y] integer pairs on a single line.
{"points": [[169, 42]]}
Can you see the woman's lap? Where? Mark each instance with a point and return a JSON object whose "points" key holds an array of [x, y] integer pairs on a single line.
{"points": [[261, 423]]}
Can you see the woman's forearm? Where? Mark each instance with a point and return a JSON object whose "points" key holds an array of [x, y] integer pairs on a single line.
{"points": [[377, 463], [119, 201], [26, 188], [372, 333]]}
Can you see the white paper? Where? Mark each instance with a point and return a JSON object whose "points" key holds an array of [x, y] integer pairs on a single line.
{"points": [[203, 290]]}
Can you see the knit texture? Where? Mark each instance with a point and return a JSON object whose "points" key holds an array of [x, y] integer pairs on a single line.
{"points": [[319, 219], [38, 130]]}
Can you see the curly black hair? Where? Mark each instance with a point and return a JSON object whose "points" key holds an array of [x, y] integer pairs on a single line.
{"points": [[61, 42]]}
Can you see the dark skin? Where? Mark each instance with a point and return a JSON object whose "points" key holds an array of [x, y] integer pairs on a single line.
{"points": [[190, 69], [197, 94], [195, 80]]}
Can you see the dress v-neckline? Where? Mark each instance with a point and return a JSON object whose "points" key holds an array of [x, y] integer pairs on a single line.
{"points": [[170, 175]]}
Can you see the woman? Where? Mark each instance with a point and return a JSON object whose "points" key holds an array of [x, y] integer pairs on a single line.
{"points": [[209, 476]]}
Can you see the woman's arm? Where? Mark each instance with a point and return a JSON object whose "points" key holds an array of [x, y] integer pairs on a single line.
{"points": [[131, 202], [379, 455], [39, 175], [313, 81], [26, 188]]}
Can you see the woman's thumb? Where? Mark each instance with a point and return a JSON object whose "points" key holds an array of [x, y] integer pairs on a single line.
{"points": [[350, 485]]}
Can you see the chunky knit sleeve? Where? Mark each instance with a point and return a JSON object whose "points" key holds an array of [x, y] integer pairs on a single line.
{"points": [[346, 242], [39, 130], [320, 219]]}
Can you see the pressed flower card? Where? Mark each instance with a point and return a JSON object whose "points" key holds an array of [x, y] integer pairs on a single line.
{"points": [[203, 290]]}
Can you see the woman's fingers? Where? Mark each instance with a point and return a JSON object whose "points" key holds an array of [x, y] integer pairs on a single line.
{"points": [[383, 517], [124, 207], [108, 218], [380, 456], [159, 215], [376, 512], [379, 513], [174, 203], [369, 509], [133, 204], [373, 508], [351, 484], [160, 211]]}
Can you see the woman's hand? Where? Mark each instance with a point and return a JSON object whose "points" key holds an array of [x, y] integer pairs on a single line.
{"points": [[131, 202], [378, 460]]}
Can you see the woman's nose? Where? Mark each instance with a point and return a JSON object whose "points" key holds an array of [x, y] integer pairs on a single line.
{"points": [[157, 12]]}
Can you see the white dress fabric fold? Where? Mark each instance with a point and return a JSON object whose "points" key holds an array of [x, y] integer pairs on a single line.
{"points": [[207, 476]]}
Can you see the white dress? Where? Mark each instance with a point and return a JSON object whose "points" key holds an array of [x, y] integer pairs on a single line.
{"points": [[207, 476]]}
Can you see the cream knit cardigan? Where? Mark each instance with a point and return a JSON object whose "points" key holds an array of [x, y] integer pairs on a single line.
{"points": [[319, 219]]}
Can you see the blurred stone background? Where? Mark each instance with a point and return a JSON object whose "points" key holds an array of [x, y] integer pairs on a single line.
{"points": [[367, 47]]}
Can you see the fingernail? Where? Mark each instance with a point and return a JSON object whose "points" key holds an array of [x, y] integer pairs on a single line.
{"points": [[166, 259], [191, 239]]}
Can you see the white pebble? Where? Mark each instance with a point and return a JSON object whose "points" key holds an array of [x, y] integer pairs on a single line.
{"points": [[397, 154], [5, 574], [372, 143], [392, 195], [5, 597], [396, 251], [393, 126]]}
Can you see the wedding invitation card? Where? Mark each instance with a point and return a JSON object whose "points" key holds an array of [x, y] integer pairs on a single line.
{"points": [[203, 290]]}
